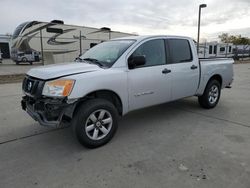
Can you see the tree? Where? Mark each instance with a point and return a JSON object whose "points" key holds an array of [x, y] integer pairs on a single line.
{"points": [[235, 39], [224, 37]]}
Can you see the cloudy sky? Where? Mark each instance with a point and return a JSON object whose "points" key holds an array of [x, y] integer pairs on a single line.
{"points": [[175, 17]]}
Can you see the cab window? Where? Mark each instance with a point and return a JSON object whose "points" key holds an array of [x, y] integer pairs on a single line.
{"points": [[180, 50], [153, 51]]}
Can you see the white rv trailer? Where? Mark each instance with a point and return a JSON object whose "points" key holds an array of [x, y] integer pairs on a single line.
{"points": [[55, 41], [215, 49]]}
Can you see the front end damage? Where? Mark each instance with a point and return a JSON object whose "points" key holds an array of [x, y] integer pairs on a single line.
{"points": [[48, 111]]}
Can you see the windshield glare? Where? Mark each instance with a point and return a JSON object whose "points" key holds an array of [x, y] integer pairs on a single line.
{"points": [[108, 52]]}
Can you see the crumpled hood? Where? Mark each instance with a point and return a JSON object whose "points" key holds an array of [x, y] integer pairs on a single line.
{"points": [[62, 69]]}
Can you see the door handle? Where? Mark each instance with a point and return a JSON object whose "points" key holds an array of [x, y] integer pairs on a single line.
{"points": [[166, 71], [193, 67]]}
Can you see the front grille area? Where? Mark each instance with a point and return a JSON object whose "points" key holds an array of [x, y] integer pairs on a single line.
{"points": [[47, 111], [33, 86]]}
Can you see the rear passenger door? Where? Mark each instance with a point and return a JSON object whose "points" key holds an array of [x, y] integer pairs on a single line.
{"points": [[185, 70]]}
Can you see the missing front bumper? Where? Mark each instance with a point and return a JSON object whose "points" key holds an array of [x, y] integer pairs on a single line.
{"points": [[48, 112]]}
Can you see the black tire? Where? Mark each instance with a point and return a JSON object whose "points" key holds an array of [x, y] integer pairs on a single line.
{"points": [[83, 115], [204, 100]]}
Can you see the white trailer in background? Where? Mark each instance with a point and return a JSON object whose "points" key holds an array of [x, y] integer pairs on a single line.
{"points": [[56, 42], [215, 49]]}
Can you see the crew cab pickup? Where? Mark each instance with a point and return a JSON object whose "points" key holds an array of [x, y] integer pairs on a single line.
{"points": [[119, 76]]}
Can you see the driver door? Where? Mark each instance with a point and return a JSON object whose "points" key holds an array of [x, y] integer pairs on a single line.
{"points": [[150, 84]]}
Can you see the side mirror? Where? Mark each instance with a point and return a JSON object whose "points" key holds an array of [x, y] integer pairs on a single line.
{"points": [[135, 61], [78, 59]]}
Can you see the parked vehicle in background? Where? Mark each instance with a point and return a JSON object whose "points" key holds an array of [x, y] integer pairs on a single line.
{"points": [[56, 41], [241, 51], [119, 76], [26, 57]]}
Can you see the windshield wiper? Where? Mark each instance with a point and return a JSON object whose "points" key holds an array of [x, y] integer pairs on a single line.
{"points": [[95, 61]]}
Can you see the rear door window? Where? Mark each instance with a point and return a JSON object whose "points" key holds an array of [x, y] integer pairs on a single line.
{"points": [[180, 50]]}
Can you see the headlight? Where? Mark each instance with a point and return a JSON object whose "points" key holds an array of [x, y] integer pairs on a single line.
{"points": [[58, 88]]}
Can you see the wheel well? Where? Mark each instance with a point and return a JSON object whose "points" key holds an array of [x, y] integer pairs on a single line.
{"points": [[216, 77], [107, 95]]}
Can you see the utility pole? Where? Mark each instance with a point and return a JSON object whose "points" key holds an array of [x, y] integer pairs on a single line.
{"points": [[199, 21], [41, 40], [80, 38]]}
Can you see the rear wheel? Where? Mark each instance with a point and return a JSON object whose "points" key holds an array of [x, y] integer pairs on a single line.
{"points": [[95, 122], [211, 95]]}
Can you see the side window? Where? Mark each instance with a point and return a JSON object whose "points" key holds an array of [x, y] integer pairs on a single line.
{"points": [[92, 45], [154, 52], [210, 49], [28, 52], [180, 50], [222, 49], [215, 49]]}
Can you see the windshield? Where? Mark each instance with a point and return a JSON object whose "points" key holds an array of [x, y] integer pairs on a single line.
{"points": [[107, 53]]}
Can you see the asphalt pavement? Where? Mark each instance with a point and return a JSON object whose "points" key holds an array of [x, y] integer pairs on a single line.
{"points": [[9, 67], [175, 145]]}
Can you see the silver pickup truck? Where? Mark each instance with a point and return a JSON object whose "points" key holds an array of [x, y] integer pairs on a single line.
{"points": [[119, 76]]}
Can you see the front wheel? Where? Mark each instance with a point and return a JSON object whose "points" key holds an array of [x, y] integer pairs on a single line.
{"points": [[95, 122], [211, 95]]}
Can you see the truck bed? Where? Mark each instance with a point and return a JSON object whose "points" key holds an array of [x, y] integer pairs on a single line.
{"points": [[215, 66]]}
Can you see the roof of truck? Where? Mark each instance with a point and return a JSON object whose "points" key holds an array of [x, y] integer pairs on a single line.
{"points": [[143, 37]]}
